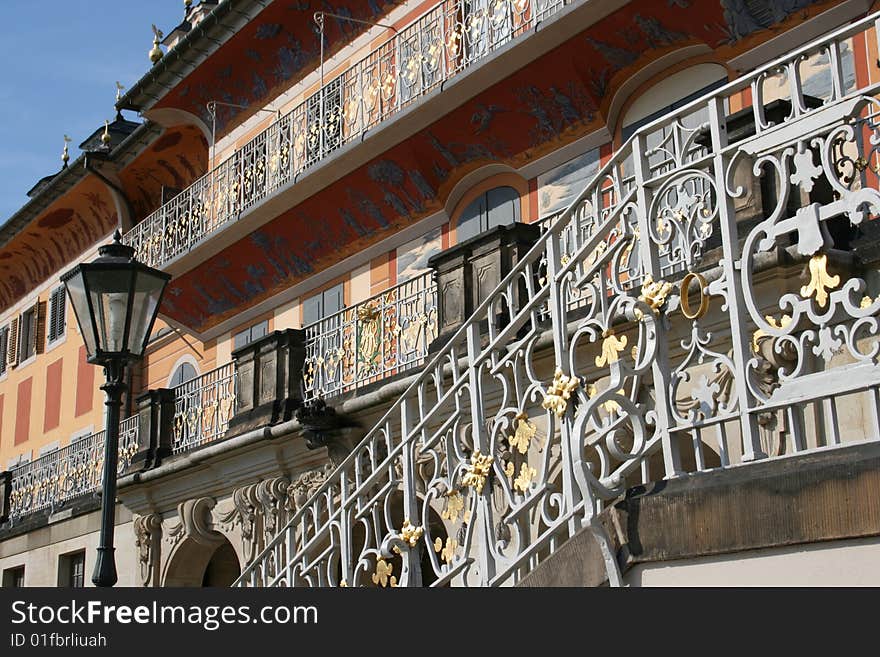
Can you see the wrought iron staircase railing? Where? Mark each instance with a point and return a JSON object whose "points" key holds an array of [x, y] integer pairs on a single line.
{"points": [[450, 37], [617, 352]]}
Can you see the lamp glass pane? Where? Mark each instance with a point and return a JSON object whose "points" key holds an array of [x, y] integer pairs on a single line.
{"points": [[109, 291], [78, 299], [147, 293]]}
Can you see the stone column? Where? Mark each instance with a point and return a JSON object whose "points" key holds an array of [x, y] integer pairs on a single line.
{"points": [[269, 380], [467, 273], [155, 428]]}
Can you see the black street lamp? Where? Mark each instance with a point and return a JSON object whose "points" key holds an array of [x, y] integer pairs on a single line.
{"points": [[115, 299]]}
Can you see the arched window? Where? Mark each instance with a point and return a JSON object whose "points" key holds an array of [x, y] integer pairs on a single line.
{"points": [[497, 207], [184, 372]]}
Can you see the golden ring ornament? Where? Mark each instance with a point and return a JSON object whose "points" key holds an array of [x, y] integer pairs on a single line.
{"points": [[686, 308]]}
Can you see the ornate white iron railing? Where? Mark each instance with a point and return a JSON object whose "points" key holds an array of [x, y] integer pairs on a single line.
{"points": [[67, 473], [382, 336], [666, 349], [203, 407], [449, 38]]}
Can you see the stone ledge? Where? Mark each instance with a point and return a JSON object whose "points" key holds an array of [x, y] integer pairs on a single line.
{"points": [[821, 496]]}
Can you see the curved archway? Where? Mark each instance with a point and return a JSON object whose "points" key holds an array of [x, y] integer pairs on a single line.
{"points": [[496, 200], [202, 563], [185, 369]]}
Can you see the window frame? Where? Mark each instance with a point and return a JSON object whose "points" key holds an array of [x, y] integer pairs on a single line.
{"points": [[249, 331], [72, 569], [56, 329]]}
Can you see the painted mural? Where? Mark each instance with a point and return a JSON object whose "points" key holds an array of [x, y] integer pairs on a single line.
{"points": [[173, 161], [268, 56], [412, 257], [69, 227], [548, 103], [560, 186]]}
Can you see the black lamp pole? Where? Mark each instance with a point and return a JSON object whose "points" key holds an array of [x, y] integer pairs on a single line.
{"points": [[116, 300], [114, 387]]}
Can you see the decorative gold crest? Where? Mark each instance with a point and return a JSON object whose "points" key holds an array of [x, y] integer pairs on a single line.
{"points": [[477, 471], [410, 534], [820, 280], [654, 293], [612, 346], [559, 392]]}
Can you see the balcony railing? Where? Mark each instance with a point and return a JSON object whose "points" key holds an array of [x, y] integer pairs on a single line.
{"points": [[203, 408], [650, 345], [434, 48], [67, 473], [385, 335]]}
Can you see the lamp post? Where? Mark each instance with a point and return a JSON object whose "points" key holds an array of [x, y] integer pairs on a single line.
{"points": [[115, 299]]}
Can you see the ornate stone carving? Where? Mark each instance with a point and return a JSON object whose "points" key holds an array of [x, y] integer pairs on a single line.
{"points": [[196, 522], [148, 540], [260, 510], [306, 485]]}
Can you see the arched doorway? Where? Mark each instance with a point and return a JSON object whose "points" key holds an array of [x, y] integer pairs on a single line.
{"points": [[203, 563]]}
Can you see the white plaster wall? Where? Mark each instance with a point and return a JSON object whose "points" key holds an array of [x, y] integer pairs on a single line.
{"points": [[854, 562]]}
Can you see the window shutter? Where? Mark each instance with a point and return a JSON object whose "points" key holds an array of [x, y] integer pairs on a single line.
{"points": [[12, 345], [4, 345], [61, 319], [53, 314], [39, 332]]}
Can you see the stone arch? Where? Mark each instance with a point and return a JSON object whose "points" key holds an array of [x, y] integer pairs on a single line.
{"points": [[195, 563], [642, 86]]}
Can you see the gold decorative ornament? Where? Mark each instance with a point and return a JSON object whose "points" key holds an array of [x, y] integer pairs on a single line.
{"points": [[524, 433], [686, 309], [609, 405], [410, 534], [780, 324], [105, 137], [866, 302], [447, 553], [524, 479], [559, 392], [654, 293], [820, 280], [477, 471], [156, 52], [383, 576], [454, 506], [612, 347]]}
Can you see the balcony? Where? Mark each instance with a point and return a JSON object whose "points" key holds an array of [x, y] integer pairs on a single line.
{"points": [[672, 328], [74, 471], [385, 335], [433, 49]]}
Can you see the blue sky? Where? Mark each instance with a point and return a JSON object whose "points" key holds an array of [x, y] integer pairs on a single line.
{"points": [[61, 59]]}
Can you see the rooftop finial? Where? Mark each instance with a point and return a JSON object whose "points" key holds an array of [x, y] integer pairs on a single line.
{"points": [[65, 155], [105, 138], [156, 51], [187, 4], [119, 90]]}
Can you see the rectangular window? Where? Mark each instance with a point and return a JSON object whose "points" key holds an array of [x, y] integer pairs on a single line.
{"points": [[250, 334], [13, 578], [72, 569], [57, 312], [323, 304], [27, 330]]}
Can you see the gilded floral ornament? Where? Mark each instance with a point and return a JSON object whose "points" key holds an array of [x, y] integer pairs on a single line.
{"points": [[559, 392], [525, 431], [477, 471], [610, 405], [454, 506], [866, 302], [780, 324], [525, 477], [410, 534], [447, 553], [820, 280], [654, 293], [383, 576], [612, 346]]}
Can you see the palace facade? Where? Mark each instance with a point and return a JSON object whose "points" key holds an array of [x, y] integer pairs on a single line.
{"points": [[468, 293]]}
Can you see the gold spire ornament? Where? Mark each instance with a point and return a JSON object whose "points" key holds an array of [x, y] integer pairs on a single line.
{"points": [[119, 89], [105, 138], [156, 52], [65, 154]]}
